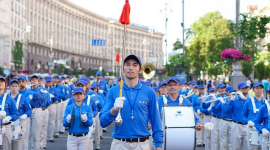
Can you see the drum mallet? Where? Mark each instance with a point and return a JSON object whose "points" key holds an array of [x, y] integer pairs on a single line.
{"points": [[2, 116], [208, 126]]}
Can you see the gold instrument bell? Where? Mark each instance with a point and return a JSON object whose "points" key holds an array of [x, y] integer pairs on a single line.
{"points": [[148, 70], [74, 81]]}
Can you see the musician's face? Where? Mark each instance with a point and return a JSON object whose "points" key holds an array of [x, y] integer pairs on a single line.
{"points": [[40, 81], [2, 84], [34, 80], [99, 77], [163, 90], [132, 69], [14, 87], [22, 83], [48, 83], [55, 80], [59, 82], [221, 90], [82, 86], [173, 87], [201, 91], [212, 92], [192, 86], [244, 91], [258, 90], [78, 97]]}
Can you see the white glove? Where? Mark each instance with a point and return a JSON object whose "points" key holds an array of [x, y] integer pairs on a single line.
{"points": [[204, 99], [198, 112], [100, 91], [68, 118], [119, 103], [97, 102], [6, 120], [84, 117], [233, 97], [209, 109], [241, 95], [212, 104], [24, 116], [44, 91], [3, 130], [51, 95], [265, 132], [250, 124], [221, 100]]}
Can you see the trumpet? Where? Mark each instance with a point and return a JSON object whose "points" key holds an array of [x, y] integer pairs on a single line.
{"points": [[36, 84], [190, 93], [66, 83]]}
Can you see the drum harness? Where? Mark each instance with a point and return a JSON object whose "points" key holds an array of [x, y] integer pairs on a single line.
{"points": [[165, 100], [3, 109]]}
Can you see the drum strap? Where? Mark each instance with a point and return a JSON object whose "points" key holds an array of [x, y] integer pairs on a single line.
{"points": [[267, 105], [88, 100], [253, 105], [18, 101], [181, 100], [165, 100], [4, 101]]}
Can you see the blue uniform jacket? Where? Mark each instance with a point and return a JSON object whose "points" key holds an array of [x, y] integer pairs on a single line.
{"points": [[67, 93], [24, 107], [262, 119], [196, 102], [54, 92], [92, 104], [215, 109], [170, 102], [204, 107], [10, 107], [145, 109], [47, 102], [76, 125], [27, 93], [98, 99], [39, 99], [61, 92], [235, 107], [247, 112], [221, 108], [71, 86], [103, 86]]}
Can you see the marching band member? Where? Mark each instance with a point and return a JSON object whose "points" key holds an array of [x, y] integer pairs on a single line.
{"points": [[250, 109], [71, 85], [207, 118], [40, 97], [196, 106], [12, 114], [87, 86], [29, 96], [78, 119], [261, 121], [140, 103], [183, 89], [99, 102], [64, 102], [162, 88], [147, 83], [239, 128], [58, 105], [157, 91], [103, 87], [41, 81], [216, 117], [24, 111], [52, 108], [225, 123]]}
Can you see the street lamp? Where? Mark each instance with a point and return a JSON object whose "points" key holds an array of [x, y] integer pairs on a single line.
{"points": [[50, 42], [26, 30], [165, 10]]}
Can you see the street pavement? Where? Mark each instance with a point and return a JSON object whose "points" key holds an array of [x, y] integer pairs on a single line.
{"points": [[61, 142]]}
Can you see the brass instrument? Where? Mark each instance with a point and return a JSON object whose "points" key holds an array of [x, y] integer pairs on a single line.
{"points": [[148, 70], [73, 81], [66, 82], [190, 93], [55, 84], [201, 114]]}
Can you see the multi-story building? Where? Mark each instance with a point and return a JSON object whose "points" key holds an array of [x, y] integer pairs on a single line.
{"points": [[81, 38]]}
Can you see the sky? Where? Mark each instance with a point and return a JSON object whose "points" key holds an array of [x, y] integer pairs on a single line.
{"points": [[147, 12]]}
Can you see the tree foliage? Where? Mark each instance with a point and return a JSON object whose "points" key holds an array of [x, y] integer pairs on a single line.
{"points": [[17, 54], [247, 68]]}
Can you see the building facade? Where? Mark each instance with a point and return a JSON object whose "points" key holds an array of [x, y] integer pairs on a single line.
{"points": [[67, 32]]}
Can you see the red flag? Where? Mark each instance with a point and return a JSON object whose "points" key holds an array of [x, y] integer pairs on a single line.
{"points": [[124, 19], [117, 57]]}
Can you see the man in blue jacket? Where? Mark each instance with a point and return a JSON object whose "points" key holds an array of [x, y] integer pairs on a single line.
{"points": [[207, 111], [78, 119], [29, 96], [236, 104], [40, 97], [103, 87], [61, 93], [52, 108], [262, 121]]}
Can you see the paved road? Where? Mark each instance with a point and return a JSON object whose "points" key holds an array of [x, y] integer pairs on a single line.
{"points": [[61, 142]]}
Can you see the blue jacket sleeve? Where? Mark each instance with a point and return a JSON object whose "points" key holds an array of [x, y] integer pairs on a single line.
{"points": [[38, 95], [27, 108], [244, 112], [67, 112], [100, 104], [89, 121], [229, 107], [61, 93], [260, 117], [106, 118], [94, 107], [160, 104], [106, 89], [214, 109], [154, 116], [14, 114], [56, 95]]}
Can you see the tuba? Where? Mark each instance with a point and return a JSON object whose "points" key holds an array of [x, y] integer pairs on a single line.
{"points": [[148, 70]]}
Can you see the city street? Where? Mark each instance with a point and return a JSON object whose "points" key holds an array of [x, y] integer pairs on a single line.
{"points": [[61, 142]]}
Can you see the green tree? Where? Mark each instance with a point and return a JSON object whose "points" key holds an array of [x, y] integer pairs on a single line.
{"points": [[259, 70], [247, 68], [1, 71], [17, 54]]}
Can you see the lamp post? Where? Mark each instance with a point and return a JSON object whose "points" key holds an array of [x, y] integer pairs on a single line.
{"points": [[165, 10], [145, 42], [26, 30], [50, 42]]}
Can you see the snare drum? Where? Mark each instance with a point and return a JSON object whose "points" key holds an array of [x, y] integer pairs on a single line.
{"points": [[255, 138], [178, 124], [16, 131]]}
